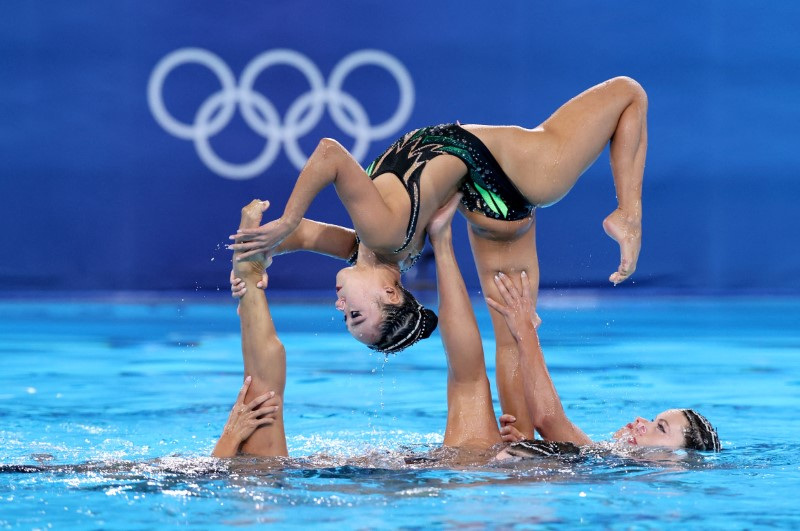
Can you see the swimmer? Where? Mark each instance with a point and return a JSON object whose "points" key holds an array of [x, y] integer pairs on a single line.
{"points": [[673, 429], [504, 173]]}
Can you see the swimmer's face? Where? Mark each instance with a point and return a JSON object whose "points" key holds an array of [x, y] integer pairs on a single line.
{"points": [[360, 296], [666, 430]]}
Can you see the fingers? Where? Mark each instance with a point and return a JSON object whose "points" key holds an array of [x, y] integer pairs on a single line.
{"points": [[245, 255], [259, 400], [506, 419], [511, 434], [499, 308], [511, 294], [243, 390], [244, 246], [500, 280], [238, 287], [526, 283], [245, 233]]}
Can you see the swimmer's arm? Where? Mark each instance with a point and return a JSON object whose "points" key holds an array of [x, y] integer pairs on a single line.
{"points": [[331, 163], [470, 414], [317, 237], [549, 418], [378, 224], [459, 329], [542, 400]]}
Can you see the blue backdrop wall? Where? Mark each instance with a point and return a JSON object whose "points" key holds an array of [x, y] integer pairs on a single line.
{"points": [[131, 132]]}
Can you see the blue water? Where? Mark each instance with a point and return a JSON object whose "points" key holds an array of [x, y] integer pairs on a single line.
{"points": [[108, 413]]}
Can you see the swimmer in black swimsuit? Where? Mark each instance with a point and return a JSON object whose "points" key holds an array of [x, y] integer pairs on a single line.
{"points": [[503, 172], [542, 164]]}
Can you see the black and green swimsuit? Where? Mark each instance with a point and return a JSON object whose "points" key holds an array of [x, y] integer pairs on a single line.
{"points": [[486, 187]]}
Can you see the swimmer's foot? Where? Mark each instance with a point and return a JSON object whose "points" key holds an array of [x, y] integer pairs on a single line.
{"points": [[252, 267], [626, 230]]}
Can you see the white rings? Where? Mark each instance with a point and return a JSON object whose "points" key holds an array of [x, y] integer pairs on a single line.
{"points": [[263, 118]]}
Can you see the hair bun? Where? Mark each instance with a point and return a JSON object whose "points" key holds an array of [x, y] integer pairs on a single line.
{"points": [[430, 321]]}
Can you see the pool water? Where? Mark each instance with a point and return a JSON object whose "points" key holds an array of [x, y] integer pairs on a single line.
{"points": [[109, 411]]}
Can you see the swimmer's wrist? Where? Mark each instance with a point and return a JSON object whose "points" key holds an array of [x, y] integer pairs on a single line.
{"points": [[443, 238], [291, 220]]}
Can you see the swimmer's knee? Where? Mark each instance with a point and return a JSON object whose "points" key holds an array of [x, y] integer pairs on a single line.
{"points": [[631, 88], [329, 148]]}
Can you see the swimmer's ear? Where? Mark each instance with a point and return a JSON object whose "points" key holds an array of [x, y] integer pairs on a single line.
{"points": [[393, 294]]}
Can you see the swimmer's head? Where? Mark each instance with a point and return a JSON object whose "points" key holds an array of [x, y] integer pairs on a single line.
{"points": [[700, 434], [378, 311], [404, 324], [674, 428]]}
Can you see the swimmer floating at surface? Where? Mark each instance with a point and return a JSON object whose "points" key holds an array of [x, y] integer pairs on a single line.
{"points": [[470, 413], [674, 428], [504, 172]]}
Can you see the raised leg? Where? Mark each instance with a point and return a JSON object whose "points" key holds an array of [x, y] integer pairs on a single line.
{"points": [[263, 353], [546, 162]]}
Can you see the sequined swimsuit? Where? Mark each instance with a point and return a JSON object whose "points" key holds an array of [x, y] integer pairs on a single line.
{"points": [[486, 188]]}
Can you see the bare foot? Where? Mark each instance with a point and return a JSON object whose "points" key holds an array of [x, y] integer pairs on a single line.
{"points": [[253, 267], [627, 232]]}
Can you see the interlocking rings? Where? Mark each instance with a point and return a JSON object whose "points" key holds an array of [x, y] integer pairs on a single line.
{"points": [[260, 114]]}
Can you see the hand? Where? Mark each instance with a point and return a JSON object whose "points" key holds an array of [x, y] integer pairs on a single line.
{"points": [[440, 224], [239, 288], [517, 308], [507, 430], [263, 239], [245, 418]]}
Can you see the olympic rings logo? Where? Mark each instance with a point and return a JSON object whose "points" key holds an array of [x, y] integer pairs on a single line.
{"points": [[260, 114]]}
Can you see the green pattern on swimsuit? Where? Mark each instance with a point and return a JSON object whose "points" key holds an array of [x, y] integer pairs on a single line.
{"points": [[492, 200]]}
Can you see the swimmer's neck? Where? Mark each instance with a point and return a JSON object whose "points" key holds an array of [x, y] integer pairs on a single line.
{"points": [[369, 258]]}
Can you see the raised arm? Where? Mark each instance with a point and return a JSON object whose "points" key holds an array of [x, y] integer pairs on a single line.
{"points": [[263, 353], [323, 238], [470, 414], [378, 223], [541, 398]]}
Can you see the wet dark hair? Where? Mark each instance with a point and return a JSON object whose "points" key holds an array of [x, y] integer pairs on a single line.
{"points": [[700, 435], [404, 324]]}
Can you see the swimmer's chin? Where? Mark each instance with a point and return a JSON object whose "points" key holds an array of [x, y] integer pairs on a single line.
{"points": [[624, 435]]}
